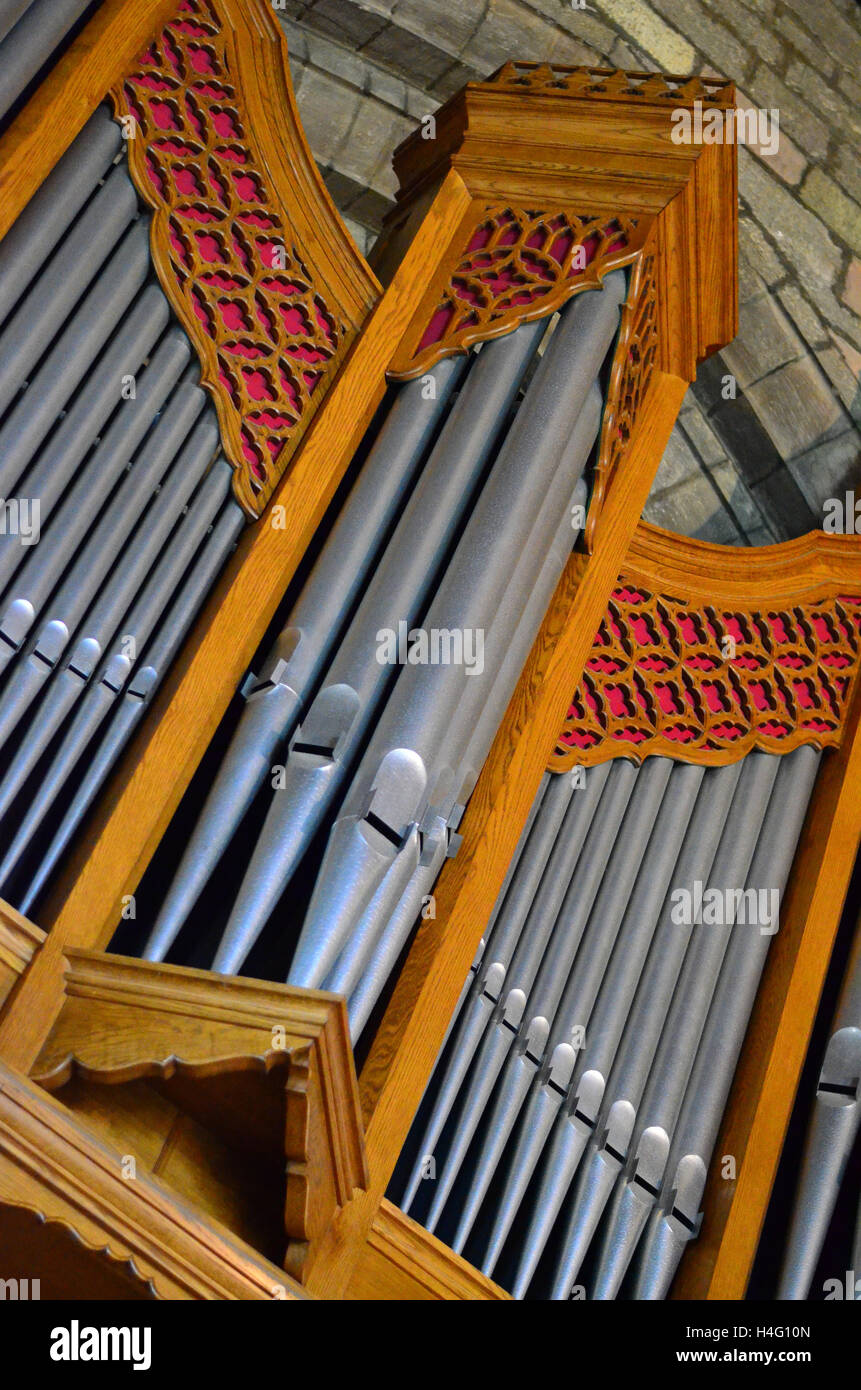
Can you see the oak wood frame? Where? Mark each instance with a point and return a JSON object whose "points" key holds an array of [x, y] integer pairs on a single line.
{"points": [[493, 146], [694, 236]]}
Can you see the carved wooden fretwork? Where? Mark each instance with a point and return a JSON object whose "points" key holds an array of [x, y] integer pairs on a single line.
{"points": [[247, 244], [126, 1019], [613, 84], [512, 265], [634, 362], [706, 680], [56, 1169]]}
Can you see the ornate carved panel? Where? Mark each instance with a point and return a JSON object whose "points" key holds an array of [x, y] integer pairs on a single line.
{"points": [[247, 244], [705, 681], [633, 364], [511, 265], [613, 84]]}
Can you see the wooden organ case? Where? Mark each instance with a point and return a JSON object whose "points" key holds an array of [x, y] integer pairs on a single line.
{"points": [[171, 1132]]}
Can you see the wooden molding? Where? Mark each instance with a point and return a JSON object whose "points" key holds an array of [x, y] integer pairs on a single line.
{"points": [[246, 241], [708, 651], [70, 93], [552, 144], [54, 1168], [402, 1262], [19, 942], [125, 1019]]}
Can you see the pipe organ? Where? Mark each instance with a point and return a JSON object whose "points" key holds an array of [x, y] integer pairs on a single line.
{"points": [[422, 867]]}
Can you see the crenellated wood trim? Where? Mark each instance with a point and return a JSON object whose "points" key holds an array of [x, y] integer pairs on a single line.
{"points": [[126, 1019], [19, 942], [53, 1166], [708, 651], [247, 243], [614, 84]]}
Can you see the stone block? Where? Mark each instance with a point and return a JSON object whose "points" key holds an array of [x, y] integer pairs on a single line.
{"points": [[797, 407], [837, 210], [765, 340]]}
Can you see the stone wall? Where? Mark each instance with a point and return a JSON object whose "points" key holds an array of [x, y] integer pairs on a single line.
{"points": [[755, 468]]}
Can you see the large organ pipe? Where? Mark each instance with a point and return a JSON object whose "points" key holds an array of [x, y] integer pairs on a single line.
{"points": [[58, 461], [274, 699], [71, 356], [98, 557], [47, 304], [831, 1135], [432, 835], [117, 659], [323, 747], [566, 1010], [414, 754], [544, 836], [74, 518], [604, 1032], [677, 1216], [32, 238], [546, 954], [29, 44], [388, 944], [669, 1069]]}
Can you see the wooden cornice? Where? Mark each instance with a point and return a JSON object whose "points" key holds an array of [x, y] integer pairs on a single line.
{"points": [[564, 187], [125, 1019], [707, 651], [55, 1168], [19, 942], [597, 137], [573, 173], [815, 565]]}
